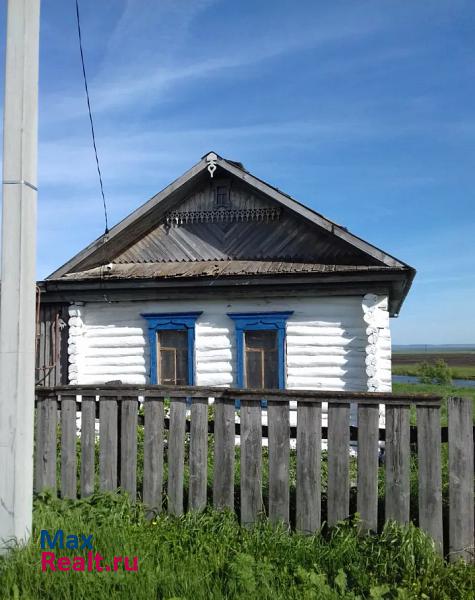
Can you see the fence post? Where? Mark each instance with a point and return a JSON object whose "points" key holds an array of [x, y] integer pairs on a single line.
{"points": [[198, 453], [224, 437], [46, 421], [397, 463], [128, 445], [461, 520], [430, 477], [279, 451], [88, 444], [251, 461], [68, 446], [108, 425], [176, 455], [309, 443], [368, 449], [338, 462], [153, 455]]}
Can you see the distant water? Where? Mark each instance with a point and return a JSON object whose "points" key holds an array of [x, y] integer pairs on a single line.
{"points": [[412, 379], [432, 348]]}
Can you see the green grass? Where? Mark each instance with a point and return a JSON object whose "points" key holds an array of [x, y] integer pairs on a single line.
{"points": [[446, 391], [210, 556], [413, 369]]}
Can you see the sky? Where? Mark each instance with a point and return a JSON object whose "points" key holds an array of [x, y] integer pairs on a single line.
{"points": [[364, 111]]}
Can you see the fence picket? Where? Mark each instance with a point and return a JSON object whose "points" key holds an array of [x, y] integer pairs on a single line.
{"points": [[430, 476], [88, 439], [338, 462], [251, 462], [128, 446], [461, 518], [46, 444], [368, 449], [397, 463], [68, 447], [309, 442], [108, 425], [223, 477], [198, 453], [153, 455], [176, 455], [279, 450]]}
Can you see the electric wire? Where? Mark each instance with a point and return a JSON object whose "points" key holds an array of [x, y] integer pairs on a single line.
{"points": [[90, 118]]}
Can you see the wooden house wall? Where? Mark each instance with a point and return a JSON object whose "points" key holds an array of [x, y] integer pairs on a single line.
{"points": [[331, 342], [52, 344]]}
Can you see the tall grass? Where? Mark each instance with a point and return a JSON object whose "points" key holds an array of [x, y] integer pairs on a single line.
{"points": [[209, 556]]}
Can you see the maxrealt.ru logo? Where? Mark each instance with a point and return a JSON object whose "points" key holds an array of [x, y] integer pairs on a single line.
{"points": [[92, 561]]}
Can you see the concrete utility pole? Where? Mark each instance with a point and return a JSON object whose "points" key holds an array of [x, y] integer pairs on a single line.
{"points": [[17, 311]]}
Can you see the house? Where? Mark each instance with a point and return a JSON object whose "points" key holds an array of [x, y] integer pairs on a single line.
{"points": [[222, 279]]}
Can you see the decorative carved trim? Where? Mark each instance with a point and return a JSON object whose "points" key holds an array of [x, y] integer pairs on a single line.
{"points": [[223, 215], [211, 160]]}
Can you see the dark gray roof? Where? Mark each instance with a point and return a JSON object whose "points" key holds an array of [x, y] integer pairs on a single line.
{"points": [[224, 268]]}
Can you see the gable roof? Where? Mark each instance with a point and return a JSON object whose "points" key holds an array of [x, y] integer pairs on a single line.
{"points": [[144, 237]]}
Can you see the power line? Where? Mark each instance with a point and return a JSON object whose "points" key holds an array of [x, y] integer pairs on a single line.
{"points": [[90, 118]]}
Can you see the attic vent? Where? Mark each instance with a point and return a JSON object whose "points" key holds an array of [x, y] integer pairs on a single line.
{"points": [[223, 215], [222, 199]]}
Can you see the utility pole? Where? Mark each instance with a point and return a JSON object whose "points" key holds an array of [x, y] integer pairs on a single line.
{"points": [[17, 311]]}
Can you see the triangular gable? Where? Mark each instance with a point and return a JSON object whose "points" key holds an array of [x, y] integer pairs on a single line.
{"points": [[179, 224]]}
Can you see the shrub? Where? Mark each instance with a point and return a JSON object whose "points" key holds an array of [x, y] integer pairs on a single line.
{"points": [[437, 372]]}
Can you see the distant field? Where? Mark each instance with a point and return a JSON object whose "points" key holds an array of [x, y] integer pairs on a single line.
{"points": [[461, 363]]}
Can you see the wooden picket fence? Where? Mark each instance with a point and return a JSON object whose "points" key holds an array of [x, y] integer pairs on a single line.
{"points": [[116, 407]]}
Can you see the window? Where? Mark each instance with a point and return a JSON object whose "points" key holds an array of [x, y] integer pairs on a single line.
{"points": [[261, 367], [172, 357], [260, 349], [172, 341], [222, 196]]}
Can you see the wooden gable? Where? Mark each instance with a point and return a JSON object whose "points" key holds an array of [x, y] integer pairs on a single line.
{"points": [[249, 227], [219, 225]]}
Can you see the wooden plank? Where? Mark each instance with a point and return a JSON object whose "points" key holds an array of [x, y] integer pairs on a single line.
{"points": [[223, 477], [309, 443], [176, 455], [279, 450], [397, 464], [68, 447], [368, 450], [88, 444], [198, 454], [313, 396], [108, 425], [430, 476], [46, 420], [128, 446], [251, 462], [338, 463], [153, 455], [461, 518]]}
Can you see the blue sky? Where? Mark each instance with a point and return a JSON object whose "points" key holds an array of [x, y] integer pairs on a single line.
{"points": [[363, 110]]}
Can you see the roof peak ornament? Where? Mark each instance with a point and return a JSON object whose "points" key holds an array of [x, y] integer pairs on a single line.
{"points": [[211, 159]]}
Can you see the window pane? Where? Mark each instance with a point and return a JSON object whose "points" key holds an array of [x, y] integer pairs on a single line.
{"points": [[181, 368], [271, 371], [263, 340], [254, 366], [172, 347], [261, 359], [167, 366], [173, 339]]}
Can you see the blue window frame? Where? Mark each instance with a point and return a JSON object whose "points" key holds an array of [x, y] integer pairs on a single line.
{"points": [[260, 321], [184, 321]]}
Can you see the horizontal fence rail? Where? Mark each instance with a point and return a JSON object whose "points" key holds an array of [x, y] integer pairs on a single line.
{"points": [[172, 437]]}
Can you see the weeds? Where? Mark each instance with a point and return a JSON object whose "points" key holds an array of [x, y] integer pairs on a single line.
{"points": [[209, 556]]}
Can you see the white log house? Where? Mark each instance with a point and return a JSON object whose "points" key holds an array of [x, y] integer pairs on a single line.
{"points": [[223, 280]]}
